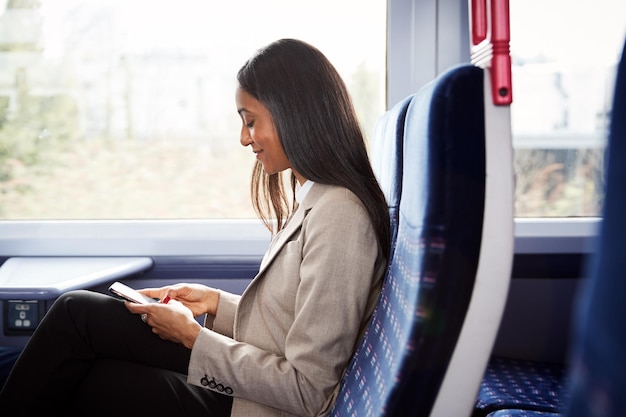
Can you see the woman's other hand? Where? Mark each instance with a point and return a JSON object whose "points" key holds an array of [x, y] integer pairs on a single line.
{"points": [[172, 321]]}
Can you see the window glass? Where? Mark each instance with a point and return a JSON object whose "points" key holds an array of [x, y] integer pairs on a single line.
{"points": [[565, 55], [124, 109]]}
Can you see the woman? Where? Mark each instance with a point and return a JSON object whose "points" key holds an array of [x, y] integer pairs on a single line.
{"points": [[282, 347]]}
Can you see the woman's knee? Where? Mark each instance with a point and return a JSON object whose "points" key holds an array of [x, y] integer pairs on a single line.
{"points": [[82, 297], [81, 304]]}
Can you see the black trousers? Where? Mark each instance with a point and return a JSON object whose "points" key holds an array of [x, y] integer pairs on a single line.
{"points": [[90, 356]]}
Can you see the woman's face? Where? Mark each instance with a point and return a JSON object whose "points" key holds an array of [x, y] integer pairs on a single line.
{"points": [[258, 132]]}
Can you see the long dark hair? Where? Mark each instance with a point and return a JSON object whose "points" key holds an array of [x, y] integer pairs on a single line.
{"points": [[317, 127]]}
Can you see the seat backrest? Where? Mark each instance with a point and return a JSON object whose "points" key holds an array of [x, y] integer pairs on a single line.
{"points": [[403, 360], [598, 366], [386, 158]]}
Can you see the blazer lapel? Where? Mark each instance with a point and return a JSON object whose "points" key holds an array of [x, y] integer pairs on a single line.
{"points": [[277, 243]]}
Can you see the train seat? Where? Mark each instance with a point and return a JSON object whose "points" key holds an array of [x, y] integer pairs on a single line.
{"points": [[430, 336], [524, 385], [598, 367], [387, 161]]}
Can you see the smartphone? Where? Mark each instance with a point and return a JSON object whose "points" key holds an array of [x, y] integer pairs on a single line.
{"points": [[127, 293]]}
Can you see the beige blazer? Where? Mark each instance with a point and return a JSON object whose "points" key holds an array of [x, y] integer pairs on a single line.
{"points": [[281, 348]]}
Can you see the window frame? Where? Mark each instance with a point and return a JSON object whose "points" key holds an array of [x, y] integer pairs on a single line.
{"points": [[421, 44]]}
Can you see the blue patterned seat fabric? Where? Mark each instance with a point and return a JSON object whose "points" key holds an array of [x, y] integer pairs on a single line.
{"points": [[402, 359], [521, 384]]}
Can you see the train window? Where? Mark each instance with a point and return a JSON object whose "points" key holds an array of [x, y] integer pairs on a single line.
{"points": [[124, 109], [564, 61]]}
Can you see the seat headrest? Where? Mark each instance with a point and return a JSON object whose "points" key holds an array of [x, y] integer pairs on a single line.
{"points": [[387, 151], [444, 110]]}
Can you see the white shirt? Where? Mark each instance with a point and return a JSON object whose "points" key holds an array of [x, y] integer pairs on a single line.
{"points": [[303, 190]]}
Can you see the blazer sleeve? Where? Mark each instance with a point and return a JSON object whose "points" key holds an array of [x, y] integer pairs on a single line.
{"points": [[224, 319], [340, 271]]}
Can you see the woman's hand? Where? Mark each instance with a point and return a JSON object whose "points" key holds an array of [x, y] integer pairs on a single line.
{"points": [[172, 321], [198, 298]]}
